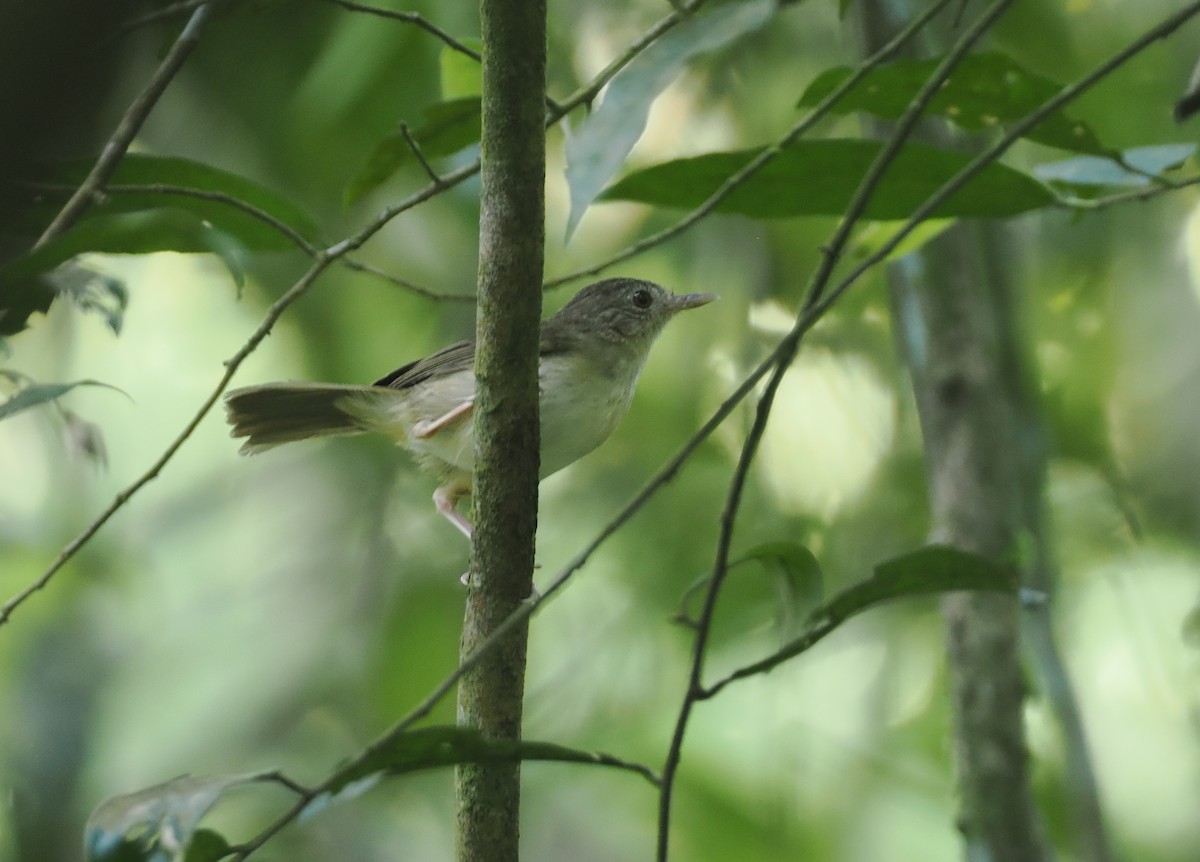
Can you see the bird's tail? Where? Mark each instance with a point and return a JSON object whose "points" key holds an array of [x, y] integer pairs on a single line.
{"points": [[276, 413]]}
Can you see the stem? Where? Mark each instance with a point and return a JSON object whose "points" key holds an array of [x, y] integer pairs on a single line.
{"points": [[512, 241]]}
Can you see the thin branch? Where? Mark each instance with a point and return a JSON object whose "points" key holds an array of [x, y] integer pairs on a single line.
{"points": [[277, 777], [420, 290], [279, 225], [161, 15], [131, 122], [791, 343], [789, 651], [447, 181], [1135, 196], [410, 18], [764, 158], [249, 209], [416, 151]]}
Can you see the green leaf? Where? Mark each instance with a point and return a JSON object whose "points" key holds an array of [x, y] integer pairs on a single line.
{"points": [[449, 746], [820, 177], [797, 571], [461, 75], [598, 146], [151, 171], [446, 128], [22, 291], [986, 90], [40, 393], [932, 569], [157, 820]]}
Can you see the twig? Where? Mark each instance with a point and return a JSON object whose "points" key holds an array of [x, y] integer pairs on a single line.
{"points": [[281, 226], [413, 18], [265, 217], [1134, 196], [420, 290], [762, 159], [416, 151], [131, 122], [854, 211], [160, 15]]}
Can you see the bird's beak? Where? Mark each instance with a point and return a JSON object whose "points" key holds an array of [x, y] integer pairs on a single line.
{"points": [[690, 300]]}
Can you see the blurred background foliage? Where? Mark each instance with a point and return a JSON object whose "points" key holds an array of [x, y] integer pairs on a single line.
{"points": [[281, 611]]}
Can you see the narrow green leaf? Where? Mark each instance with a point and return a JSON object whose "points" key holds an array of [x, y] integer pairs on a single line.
{"points": [[448, 746], [150, 171], [461, 75], [986, 90], [598, 146], [819, 178], [446, 128], [40, 393], [932, 569]]}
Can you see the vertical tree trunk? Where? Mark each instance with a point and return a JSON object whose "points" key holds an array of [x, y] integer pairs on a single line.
{"points": [[985, 461], [954, 340], [512, 230]]}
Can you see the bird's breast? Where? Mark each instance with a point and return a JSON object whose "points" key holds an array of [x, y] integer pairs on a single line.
{"points": [[580, 407]]}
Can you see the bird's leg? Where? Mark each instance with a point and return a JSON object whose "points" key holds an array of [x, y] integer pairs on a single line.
{"points": [[425, 429], [446, 498]]}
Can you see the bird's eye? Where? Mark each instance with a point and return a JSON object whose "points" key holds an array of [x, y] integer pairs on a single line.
{"points": [[642, 298]]}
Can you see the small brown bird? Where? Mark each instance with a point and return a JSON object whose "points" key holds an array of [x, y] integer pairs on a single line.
{"points": [[592, 352]]}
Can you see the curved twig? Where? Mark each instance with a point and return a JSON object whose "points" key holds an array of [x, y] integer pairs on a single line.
{"points": [[413, 18]]}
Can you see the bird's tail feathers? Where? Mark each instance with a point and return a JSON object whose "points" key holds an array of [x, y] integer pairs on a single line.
{"points": [[276, 413]]}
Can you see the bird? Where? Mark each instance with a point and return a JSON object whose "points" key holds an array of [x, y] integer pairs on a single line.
{"points": [[591, 354]]}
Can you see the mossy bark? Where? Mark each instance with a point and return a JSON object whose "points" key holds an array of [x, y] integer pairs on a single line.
{"points": [[512, 231]]}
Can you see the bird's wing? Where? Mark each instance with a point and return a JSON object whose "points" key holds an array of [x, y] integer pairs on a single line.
{"points": [[449, 360], [461, 357]]}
